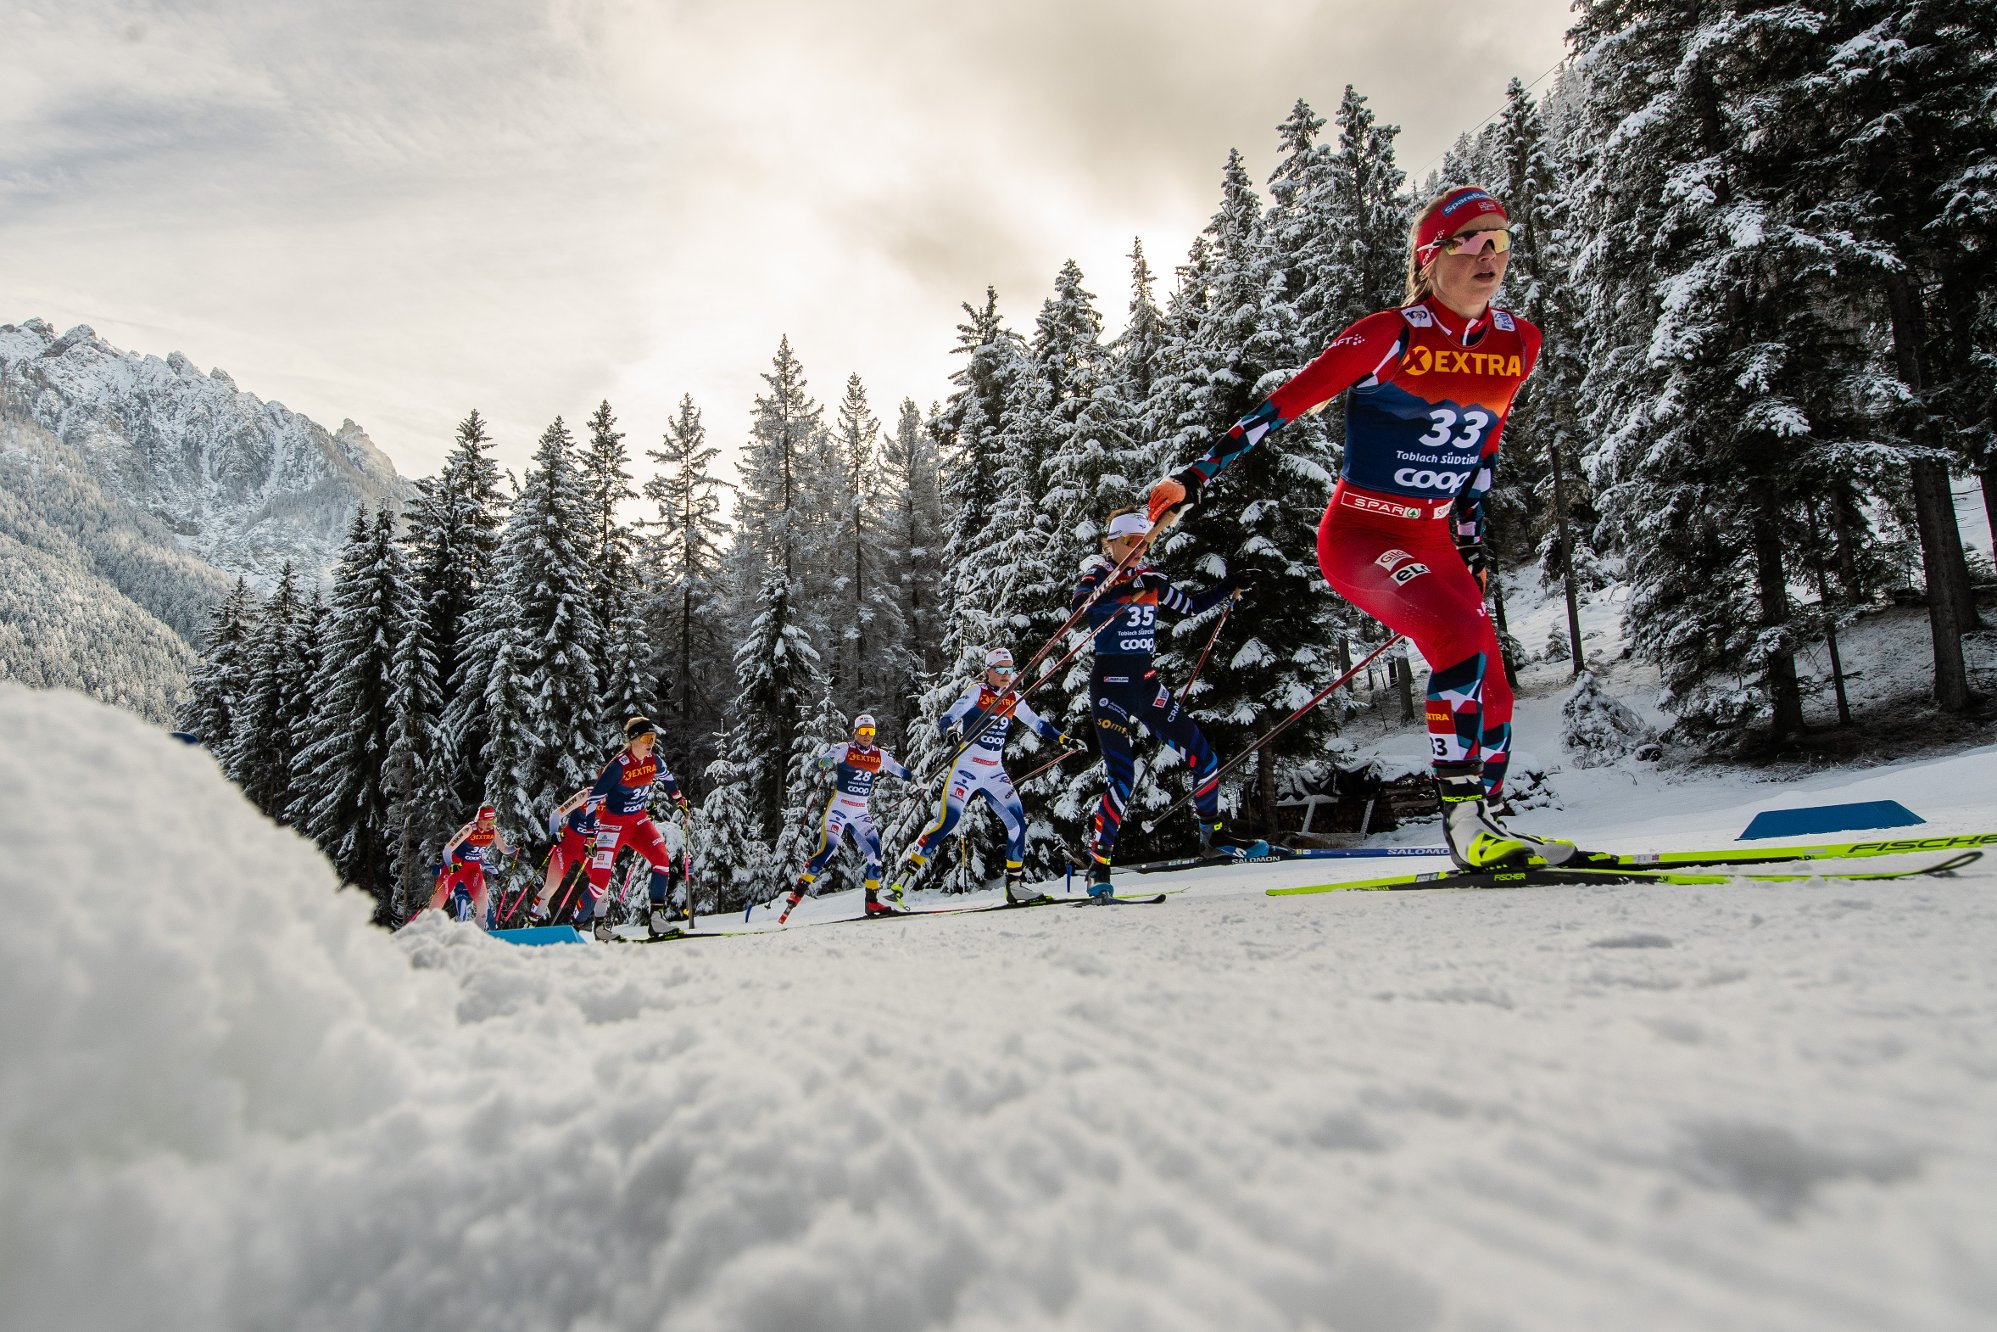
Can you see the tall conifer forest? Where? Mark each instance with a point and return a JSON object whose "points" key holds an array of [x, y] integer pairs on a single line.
{"points": [[1760, 239]]}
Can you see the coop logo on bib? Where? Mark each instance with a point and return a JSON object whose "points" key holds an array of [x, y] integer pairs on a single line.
{"points": [[1425, 479]]}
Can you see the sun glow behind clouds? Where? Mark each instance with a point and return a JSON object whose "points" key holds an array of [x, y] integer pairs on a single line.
{"points": [[396, 211]]}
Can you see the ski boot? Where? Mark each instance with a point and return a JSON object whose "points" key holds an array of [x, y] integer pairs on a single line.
{"points": [[876, 907], [1478, 841], [1016, 891], [790, 903], [600, 928], [892, 895], [1099, 887], [1216, 842], [661, 923]]}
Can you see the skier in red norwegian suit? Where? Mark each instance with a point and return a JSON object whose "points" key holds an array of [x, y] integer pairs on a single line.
{"points": [[464, 863], [1427, 388], [620, 798]]}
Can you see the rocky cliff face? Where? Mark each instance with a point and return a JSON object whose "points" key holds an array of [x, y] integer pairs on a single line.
{"points": [[242, 483]]}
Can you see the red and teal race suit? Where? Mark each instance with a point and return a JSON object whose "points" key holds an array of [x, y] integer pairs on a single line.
{"points": [[464, 867], [619, 797], [573, 826], [1427, 392]]}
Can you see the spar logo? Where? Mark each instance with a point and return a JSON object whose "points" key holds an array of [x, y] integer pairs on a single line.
{"points": [[1449, 361]]}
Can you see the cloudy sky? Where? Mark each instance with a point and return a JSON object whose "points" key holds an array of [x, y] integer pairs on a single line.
{"points": [[396, 210]]}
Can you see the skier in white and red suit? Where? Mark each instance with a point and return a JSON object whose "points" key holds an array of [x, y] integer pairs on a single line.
{"points": [[464, 862], [858, 764], [1427, 387], [620, 796]]}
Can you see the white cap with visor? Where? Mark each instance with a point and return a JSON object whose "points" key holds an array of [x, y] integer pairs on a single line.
{"points": [[1132, 524]]}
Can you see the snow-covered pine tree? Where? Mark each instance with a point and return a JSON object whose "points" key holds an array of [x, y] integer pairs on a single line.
{"points": [[777, 676], [616, 599], [733, 865], [774, 510], [806, 789], [1363, 214], [969, 430], [869, 638], [344, 803], [1911, 91], [419, 789], [1542, 438], [1089, 458], [217, 688], [261, 746], [1300, 235], [690, 651], [297, 680], [627, 679], [1721, 373], [912, 542], [1015, 567], [305, 789], [451, 530], [1259, 524], [543, 702], [1134, 354]]}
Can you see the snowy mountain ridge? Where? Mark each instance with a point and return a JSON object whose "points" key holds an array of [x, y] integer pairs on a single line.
{"points": [[244, 484]]}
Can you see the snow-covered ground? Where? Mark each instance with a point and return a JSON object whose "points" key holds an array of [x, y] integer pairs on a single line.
{"points": [[227, 1102]]}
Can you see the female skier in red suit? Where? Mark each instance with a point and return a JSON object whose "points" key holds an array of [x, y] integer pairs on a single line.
{"points": [[1427, 387]]}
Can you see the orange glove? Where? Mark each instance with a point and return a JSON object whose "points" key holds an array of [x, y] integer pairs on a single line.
{"points": [[1181, 488]]}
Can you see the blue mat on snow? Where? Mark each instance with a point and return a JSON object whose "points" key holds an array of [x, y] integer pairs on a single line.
{"points": [[1814, 819], [540, 934]]}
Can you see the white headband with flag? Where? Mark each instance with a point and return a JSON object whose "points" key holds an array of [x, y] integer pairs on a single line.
{"points": [[1132, 524]]}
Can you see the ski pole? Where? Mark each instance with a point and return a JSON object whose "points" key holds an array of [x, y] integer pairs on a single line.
{"points": [[1066, 753], [1212, 638], [1275, 730], [686, 855], [512, 912]]}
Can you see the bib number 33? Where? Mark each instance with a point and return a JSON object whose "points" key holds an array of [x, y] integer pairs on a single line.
{"points": [[1474, 422]]}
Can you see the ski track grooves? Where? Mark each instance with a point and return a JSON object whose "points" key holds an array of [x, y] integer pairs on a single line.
{"points": [[1379, 1124]]}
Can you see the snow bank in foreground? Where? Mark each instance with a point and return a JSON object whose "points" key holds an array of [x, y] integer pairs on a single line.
{"points": [[228, 1103]]}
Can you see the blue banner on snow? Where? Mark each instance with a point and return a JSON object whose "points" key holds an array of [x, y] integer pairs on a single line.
{"points": [[540, 934], [1814, 819]]}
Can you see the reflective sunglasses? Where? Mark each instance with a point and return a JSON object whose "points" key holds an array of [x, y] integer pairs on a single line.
{"points": [[1472, 242], [865, 733]]}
